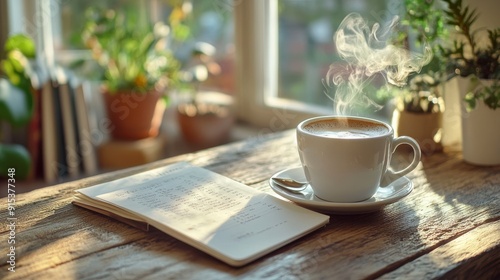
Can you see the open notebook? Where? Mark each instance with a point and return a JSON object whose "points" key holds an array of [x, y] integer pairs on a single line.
{"points": [[221, 217]]}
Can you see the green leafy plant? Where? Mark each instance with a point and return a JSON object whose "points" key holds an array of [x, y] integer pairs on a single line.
{"points": [[468, 58], [16, 101], [421, 96], [132, 55], [423, 24]]}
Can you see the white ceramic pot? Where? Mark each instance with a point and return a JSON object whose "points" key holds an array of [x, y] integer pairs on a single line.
{"points": [[480, 131]]}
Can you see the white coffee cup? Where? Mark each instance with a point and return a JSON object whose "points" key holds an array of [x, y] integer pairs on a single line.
{"points": [[346, 159]]}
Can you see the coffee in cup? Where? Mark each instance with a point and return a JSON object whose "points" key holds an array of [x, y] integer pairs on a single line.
{"points": [[346, 159], [348, 128]]}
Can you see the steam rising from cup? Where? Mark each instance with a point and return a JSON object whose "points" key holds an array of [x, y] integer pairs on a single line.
{"points": [[366, 54]]}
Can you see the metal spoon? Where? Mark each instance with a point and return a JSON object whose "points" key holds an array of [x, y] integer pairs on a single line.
{"points": [[290, 184]]}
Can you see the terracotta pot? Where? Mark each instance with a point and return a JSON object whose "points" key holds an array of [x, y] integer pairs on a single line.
{"points": [[134, 115], [426, 128], [205, 125]]}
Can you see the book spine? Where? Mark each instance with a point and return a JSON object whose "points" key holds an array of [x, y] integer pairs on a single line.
{"points": [[86, 146], [68, 122], [48, 133], [35, 136], [61, 163]]}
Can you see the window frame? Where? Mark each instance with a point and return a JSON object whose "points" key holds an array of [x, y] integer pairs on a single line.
{"points": [[256, 42]]}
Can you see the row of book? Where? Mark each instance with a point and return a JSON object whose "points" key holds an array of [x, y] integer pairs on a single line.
{"points": [[59, 136]]}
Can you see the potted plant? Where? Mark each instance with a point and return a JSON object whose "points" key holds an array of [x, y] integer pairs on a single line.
{"points": [[16, 103], [136, 69], [419, 114], [419, 105], [205, 118], [474, 59]]}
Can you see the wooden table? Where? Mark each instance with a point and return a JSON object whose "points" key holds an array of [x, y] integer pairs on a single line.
{"points": [[448, 227]]}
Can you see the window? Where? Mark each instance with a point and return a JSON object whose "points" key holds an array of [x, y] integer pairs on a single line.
{"points": [[61, 23], [285, 50], [274, 54], [306, 47]]}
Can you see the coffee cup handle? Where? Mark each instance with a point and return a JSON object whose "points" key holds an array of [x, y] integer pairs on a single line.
{"points": [[391, 176]]}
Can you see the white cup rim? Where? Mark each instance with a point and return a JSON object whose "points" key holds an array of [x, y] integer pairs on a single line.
{"points": [[301, 125]]}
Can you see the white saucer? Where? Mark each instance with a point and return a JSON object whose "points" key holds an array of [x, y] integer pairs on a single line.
{"points": [[306, 198]]}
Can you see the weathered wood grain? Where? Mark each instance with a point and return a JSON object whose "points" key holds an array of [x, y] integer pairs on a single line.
{"points": [[447, 227], [473, 255]]}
